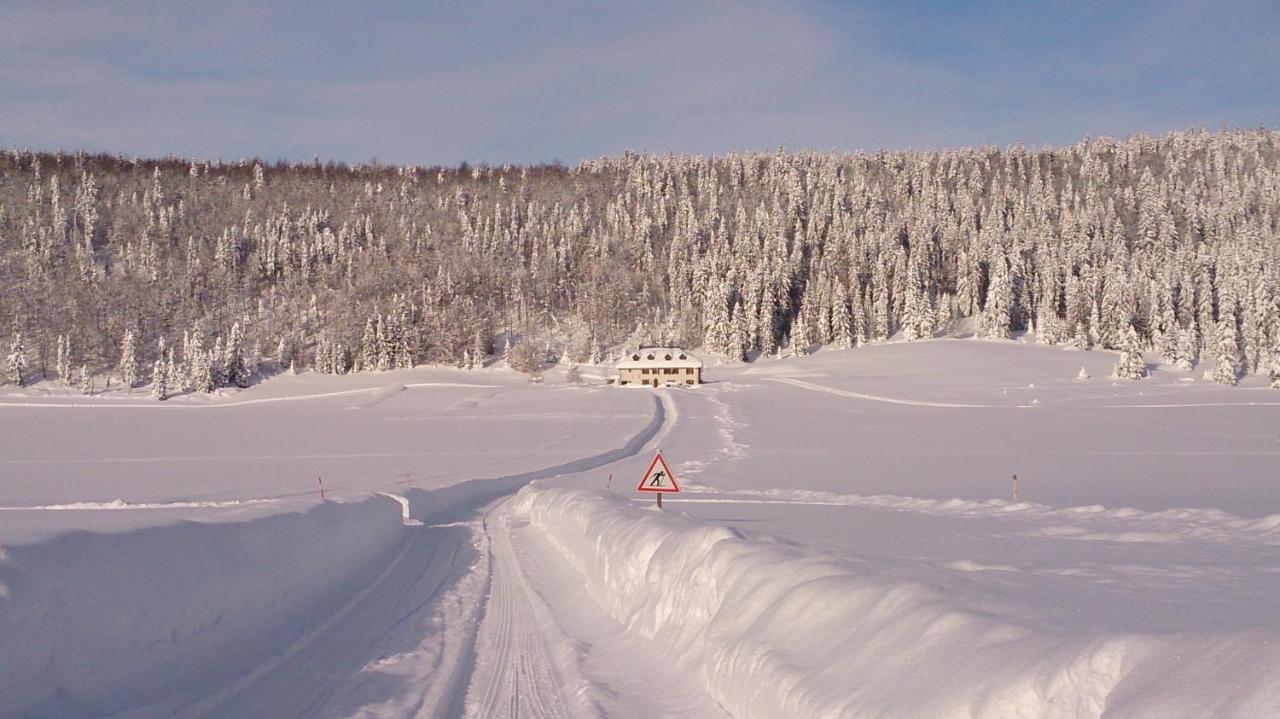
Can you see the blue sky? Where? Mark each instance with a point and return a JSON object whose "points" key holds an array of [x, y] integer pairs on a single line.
{"points": [[439, 83]]}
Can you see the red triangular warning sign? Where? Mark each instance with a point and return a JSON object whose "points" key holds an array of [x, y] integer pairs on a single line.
{"points": [[658, 478]]}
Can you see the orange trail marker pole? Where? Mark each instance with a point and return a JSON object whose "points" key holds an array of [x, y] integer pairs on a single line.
{"points": [[1016, 496], [321, 483]]}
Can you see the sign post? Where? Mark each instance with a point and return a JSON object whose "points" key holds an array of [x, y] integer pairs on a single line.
{"points": [[658, 479]]}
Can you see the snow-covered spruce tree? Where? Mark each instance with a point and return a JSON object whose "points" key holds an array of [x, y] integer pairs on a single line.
{"points": [[1274, 370], [216, 360], [1184, 349], [283, 356], [16, 362], [129, 371], [235, 367], [64, 360], [842, 325], [86, 380], [159, 383], [798, 339], [997, 312], [199, 364], [1226, 369], [1114, 230], [369, 346], [917, 318], [172, 376], [1131, 365]]}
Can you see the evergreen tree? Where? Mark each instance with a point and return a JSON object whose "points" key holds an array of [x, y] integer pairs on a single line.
{"points": [[1274, 374], [842, 325], [64, 360], [86, 380], [1131, 364], [17, 361], [1185, 349], [215, 359], [159, 383], [997, 313], [369, 346], [235, 367], [129, 372], [1227, 368]]}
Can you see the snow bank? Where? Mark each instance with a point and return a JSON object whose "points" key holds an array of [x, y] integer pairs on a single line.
{"points": [[1092, 522], [773, 631], [91, 624]]}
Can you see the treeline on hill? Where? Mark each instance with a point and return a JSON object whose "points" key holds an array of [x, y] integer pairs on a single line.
{"points": [[197, 274]]}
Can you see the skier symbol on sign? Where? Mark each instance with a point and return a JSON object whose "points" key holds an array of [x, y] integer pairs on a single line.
{"points": [[658, 478]]}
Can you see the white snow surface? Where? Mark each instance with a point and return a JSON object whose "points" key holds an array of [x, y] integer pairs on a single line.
{"points": [[845, 544], [775, 631]]}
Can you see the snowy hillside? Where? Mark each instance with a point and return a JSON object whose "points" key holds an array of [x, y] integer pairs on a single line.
{"points": [[846, 543]]}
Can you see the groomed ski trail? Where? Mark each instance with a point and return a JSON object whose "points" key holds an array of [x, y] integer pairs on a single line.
{"points": [[515, 675], [325, 672], [889, 400]]}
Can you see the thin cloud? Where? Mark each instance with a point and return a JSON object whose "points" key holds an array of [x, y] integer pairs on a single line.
{"points": [[501, 83]]}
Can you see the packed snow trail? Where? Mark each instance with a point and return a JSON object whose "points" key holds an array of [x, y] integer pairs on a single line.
{"points": [[515, 675], [889, 400], [397, 615], [176, 403], [302, 680]]}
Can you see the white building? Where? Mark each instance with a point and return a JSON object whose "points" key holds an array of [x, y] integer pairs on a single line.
{"points": [[658, 366]]}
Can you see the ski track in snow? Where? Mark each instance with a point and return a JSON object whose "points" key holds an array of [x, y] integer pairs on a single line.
{"points": [[256, 457], [730, 447], [121, 504], [889, 400], [302, 678], [382, 391], [515, 674], [309, 676]]}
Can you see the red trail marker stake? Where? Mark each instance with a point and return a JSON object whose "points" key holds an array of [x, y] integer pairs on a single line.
{"points": [[321, 483]]}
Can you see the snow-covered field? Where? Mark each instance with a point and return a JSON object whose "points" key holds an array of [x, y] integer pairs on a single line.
{"points": [[846, 544]]}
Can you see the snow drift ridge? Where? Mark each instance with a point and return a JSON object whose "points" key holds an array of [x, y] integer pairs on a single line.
{"points": [[773, 631]]}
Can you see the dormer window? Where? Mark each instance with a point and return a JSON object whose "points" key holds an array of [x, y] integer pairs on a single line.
{"points": [[668, 358], [635, 357], [650, 356], [681, 357]]}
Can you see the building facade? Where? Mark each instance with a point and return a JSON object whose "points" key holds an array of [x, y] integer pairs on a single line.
{"points": [[660, 366]]}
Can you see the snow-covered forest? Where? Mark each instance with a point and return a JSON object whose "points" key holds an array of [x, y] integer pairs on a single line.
{"points": [[196, 274]]}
